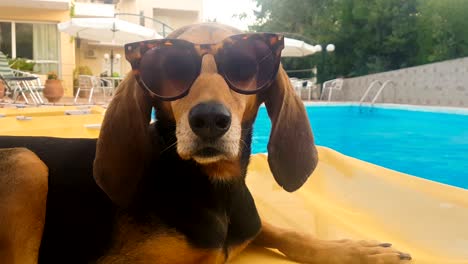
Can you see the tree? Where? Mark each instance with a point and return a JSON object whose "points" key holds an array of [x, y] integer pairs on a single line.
{"points": [[371, 35], [300, 19], [443, 30], [375, 35]]}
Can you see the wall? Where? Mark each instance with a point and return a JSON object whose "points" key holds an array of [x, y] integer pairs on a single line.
{"points": [[94, 10], [175, 13], [67, 47], [438, 84], [175, 18], [187, 5], [96, 63], [42, 4]]}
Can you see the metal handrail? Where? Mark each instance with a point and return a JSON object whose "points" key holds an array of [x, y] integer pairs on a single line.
{"points": [[381, 89], [368, 90], [166, 28]]}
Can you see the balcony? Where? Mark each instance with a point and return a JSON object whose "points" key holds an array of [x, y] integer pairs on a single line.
{"points": [[185, 5], [41, 4], [98, 1], [94, 9]]}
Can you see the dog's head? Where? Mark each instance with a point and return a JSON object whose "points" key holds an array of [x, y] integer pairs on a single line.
{"points": [[212, 124]]}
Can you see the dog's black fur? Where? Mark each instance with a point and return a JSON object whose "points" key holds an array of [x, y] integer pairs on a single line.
{"points": [[79, 214], [80, 218]]}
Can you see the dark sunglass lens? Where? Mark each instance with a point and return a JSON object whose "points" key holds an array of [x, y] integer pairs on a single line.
{"points": [[168, 71], [150, 69], [267, 68], [248, 64], [178, 64], [240, 65]]}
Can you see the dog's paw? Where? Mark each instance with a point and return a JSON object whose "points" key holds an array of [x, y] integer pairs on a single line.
{"points": [[314, 251]]}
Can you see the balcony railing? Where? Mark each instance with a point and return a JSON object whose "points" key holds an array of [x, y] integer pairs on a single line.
{"points": [[161, 28]]}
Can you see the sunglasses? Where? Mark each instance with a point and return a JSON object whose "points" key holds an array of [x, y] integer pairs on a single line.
{"points": [[167, 68]]}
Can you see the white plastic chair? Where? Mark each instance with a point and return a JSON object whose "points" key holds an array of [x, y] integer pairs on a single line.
{"points": [[297, 85], [312, 90], [336, 84], [91, 83]]}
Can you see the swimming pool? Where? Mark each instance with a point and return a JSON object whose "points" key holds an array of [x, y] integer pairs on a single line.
{"points": [[431, 145]]}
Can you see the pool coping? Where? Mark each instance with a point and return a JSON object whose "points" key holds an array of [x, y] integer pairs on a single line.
{"points": [[435, 109]]}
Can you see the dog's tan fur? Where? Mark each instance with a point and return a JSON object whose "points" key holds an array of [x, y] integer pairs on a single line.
{"points": [[23, 194], [141, 244]]}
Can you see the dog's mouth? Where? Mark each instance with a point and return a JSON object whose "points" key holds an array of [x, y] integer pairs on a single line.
{"points": [[207, 155], [208, 152]]}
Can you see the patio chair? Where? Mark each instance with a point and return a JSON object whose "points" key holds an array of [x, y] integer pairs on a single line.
{"points": [[20, 83], [305, 89], [312, 90], [89, 83], [297, 85], [331, 85]]}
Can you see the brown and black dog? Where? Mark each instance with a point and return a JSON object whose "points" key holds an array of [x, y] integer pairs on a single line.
{"points": [[152, 193]]}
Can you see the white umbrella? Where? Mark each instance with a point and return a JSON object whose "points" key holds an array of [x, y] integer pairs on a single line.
{"points": [[297, 48], [110, 30]]}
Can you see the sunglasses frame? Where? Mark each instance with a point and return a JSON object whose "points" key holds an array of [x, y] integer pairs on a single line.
{"points": [[134, 52]]}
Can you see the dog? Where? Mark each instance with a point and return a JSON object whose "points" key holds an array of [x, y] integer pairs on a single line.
{"points": [[171, 191]]}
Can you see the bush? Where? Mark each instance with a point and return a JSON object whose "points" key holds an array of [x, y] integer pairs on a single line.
{"points": [[81, 70], [21, 64]]}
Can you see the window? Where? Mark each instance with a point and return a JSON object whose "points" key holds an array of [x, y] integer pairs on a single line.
{"points": [[5, 38], [24, 40], [32, 41]]}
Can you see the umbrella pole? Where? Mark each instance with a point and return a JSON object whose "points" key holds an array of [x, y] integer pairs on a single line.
{"points": [[112, 63]]}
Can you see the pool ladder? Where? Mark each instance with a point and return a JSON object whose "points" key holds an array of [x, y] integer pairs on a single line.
{"points": [[371, 85]]}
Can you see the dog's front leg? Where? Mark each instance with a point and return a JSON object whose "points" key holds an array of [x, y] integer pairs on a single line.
{"points": [[307, 249], [23, 195]]}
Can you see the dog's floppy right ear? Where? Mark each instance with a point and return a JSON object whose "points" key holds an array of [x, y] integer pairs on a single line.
{"points": [[292, 155], [124, 145]]}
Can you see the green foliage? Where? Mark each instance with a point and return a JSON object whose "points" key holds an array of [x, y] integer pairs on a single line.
{"points": [[115, 74], [21, 64], [72, 9], [370, 35], [443, 30], [80, 70]]}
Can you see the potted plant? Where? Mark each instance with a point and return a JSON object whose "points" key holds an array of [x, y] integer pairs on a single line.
{"points": [[53, 89]]}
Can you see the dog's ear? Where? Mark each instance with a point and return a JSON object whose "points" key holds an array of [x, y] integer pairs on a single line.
{"points": [[124, 145], [292, 155]]}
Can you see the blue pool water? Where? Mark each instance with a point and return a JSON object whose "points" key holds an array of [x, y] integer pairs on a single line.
{"points": [[430, 145]]}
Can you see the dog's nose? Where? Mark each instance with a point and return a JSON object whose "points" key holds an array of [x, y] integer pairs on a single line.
{"points": [[209, 120]]}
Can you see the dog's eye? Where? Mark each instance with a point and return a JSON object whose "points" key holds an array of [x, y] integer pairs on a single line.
{"points": [[240, 66], [247, 64], [179, 66], [168, 71]]}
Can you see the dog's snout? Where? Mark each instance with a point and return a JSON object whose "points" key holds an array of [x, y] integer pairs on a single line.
{"points": [[209, 120]]}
